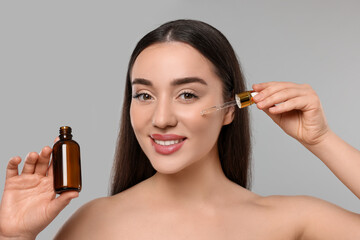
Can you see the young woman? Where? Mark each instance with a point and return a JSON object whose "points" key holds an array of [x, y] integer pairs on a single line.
{"points": [[177, 173]]}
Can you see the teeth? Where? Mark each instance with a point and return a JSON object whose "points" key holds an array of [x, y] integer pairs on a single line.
{"points": [[167, 143]]}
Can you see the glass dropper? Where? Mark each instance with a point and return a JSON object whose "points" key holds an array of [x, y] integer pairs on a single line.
{"points": [[242, 100]]}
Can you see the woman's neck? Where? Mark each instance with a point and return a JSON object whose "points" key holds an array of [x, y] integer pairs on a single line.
{"points": [[203, 181]]}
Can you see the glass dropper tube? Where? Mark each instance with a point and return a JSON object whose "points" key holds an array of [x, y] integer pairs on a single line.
{"points": [[242, 100]]}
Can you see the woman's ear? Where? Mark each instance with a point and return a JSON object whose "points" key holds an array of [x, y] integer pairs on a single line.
{"points": [[229, 115]]}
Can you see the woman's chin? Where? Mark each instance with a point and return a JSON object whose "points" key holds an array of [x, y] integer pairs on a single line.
{"points": [[168, 169]]}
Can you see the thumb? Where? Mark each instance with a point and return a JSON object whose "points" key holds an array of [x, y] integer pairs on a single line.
{"points": [[59, 203], [274, 117]]}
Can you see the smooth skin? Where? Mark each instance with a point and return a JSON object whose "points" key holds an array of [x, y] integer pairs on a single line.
{"points": [[190, 197]]}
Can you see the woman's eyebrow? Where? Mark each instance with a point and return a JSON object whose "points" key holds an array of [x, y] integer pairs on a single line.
{"points": [[186, 80], [176, 82], [141, 81]]}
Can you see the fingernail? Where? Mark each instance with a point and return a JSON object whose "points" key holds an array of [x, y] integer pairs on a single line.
{"points": [[257, 97]]}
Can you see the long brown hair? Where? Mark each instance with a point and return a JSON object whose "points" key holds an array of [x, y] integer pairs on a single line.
{"points": [[131, 165]]}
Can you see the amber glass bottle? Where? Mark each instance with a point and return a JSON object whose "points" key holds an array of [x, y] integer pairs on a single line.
{"points": [[66, 163]]}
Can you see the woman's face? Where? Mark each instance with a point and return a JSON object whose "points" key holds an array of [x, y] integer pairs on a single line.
{"points": [[171, 83]]}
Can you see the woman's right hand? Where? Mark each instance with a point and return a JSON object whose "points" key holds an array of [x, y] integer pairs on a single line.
{"points": [[29, 201]]}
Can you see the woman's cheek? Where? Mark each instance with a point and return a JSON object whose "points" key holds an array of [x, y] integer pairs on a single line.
{"points": [[139, 116], [205, 126], [133, 116]]}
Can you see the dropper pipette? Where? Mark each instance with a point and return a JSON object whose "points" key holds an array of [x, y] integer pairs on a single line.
{"points": [[242, 100]]}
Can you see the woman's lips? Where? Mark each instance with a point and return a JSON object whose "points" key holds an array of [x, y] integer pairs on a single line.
{"points": [[168, 143]]}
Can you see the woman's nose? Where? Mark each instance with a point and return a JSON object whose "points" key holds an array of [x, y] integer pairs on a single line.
{"points": [[163, 115]]}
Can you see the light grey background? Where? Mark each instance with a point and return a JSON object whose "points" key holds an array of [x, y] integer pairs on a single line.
{"points": [[64, 63]]}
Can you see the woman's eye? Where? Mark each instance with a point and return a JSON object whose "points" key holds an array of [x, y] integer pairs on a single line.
{"points": [[143, 96], [187, 96]]}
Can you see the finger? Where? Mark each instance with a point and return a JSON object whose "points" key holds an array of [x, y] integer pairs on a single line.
{"points": [[261, 86], [269, 88], [280, 97], [43, 161], [297, 103], [12, 167], [30, 163], [59, 203], [56, 139], [50, 170], [275, 117]]}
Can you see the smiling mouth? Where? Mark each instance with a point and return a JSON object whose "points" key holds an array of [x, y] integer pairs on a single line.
{"points": [[167, 143]]}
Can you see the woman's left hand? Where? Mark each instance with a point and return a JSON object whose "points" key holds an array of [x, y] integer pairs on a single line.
{"points": [[296, 108]]}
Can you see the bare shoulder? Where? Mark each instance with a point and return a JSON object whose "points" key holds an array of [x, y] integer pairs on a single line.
{"points": [[99, 218], [85, 220], [303, 205], [314, 217]]}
